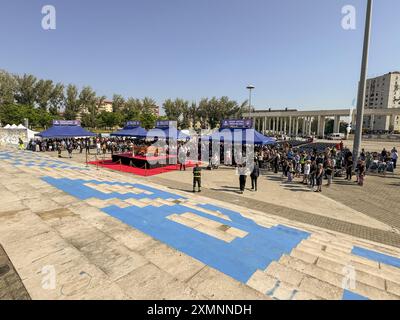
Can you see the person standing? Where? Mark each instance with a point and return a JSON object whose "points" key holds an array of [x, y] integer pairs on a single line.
{"points": [[349, 168], [98, 147], [329, 171], [319, 177], [182, 158], [69, 149], [394, 156], [87, 145], [276, 161], [361, 173], [59, 148], [197, 178], [313, 173], [254, 176], [307, 168], [21, 144], [290, 171], [242, 178]]}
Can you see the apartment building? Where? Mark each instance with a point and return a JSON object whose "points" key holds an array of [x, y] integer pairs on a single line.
{"points": [[383, 92]]}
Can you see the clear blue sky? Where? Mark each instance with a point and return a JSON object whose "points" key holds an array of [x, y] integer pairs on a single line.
{"points": [[294, 51]]}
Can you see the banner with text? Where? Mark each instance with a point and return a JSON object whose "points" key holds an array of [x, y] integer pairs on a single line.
{"points": [[236, 124], [66, 123]]}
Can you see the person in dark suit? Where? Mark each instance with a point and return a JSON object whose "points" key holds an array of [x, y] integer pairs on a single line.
{"points": [[254, 176]]}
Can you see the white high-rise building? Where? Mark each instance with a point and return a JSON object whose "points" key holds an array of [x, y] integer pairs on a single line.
{"points": [[383, 93]]}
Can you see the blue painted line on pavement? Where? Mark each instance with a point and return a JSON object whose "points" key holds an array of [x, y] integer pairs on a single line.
{"points": [[348, 295], [376, 256]]}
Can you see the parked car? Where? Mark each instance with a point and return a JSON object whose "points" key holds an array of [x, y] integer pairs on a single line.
{"points": [[336, 136]]}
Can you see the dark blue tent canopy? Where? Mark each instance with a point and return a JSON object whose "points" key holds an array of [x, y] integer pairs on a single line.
{"points": [[168, 133], [65, 132], [244, 136], [129, 131]]}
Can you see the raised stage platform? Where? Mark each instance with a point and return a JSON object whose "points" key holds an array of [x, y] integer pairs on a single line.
{"points": [[144, 162]]}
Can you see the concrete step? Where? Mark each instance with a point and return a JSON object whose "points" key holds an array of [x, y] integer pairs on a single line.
{"points": [[333, 253], [278, 289], [372, 290], [337, 265], [360, 264]]}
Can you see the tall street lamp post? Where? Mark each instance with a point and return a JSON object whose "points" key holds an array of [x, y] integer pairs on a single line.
{"points": [[362, 85], [250, 88]]}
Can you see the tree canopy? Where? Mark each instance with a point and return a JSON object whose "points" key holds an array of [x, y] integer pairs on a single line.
{"points": [[41, 100]]}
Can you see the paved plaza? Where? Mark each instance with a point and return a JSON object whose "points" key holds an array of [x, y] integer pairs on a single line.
{"points": [[75, 232]]}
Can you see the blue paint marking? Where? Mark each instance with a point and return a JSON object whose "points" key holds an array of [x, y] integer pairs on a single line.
{"points": [[376, 256], [80, 191], [348, 295], [238, 259], [31, 160]]}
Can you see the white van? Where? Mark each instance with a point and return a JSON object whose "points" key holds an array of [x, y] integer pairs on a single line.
{"points": [[336, 136]]}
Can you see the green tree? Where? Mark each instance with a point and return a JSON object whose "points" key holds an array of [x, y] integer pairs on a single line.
{"points": [[43, 90], [148, 103], [108, 120], [8, 87], [193, 113], [44, 118], [88, 105], [26, 90], [172, 109], [118, 103], [71, 103], [133, 109], [57, 99], [147, 119], [212, 111]]}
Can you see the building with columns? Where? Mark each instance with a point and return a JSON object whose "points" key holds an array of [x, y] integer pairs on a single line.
{"points": [[299, 123]]}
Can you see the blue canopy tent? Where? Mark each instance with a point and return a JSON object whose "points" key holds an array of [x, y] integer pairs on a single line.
{"points": [[131, 131], [65, 129], [240, 135], [167, 129], [168, 133]]}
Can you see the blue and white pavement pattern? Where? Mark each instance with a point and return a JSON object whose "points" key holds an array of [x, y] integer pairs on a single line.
{"points": [[30, 159], [239, 259], [254, 248]]}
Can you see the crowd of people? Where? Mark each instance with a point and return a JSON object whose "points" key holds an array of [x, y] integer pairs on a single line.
{"points": [[309, 166]]}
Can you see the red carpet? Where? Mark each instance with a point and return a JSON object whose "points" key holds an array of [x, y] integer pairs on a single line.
{"points": [[141, 172]]}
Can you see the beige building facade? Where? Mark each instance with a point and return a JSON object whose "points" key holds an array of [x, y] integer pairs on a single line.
{"points": [[106, 106], [383, 92]]}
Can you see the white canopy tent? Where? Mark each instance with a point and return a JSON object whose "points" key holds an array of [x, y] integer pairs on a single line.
{"points": [[10, 135]]}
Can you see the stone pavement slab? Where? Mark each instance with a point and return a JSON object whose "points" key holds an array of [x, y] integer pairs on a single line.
{"points": [[66, 246]]}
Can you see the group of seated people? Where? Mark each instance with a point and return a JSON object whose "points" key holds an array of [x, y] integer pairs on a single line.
{"points": [[381, 162]]}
